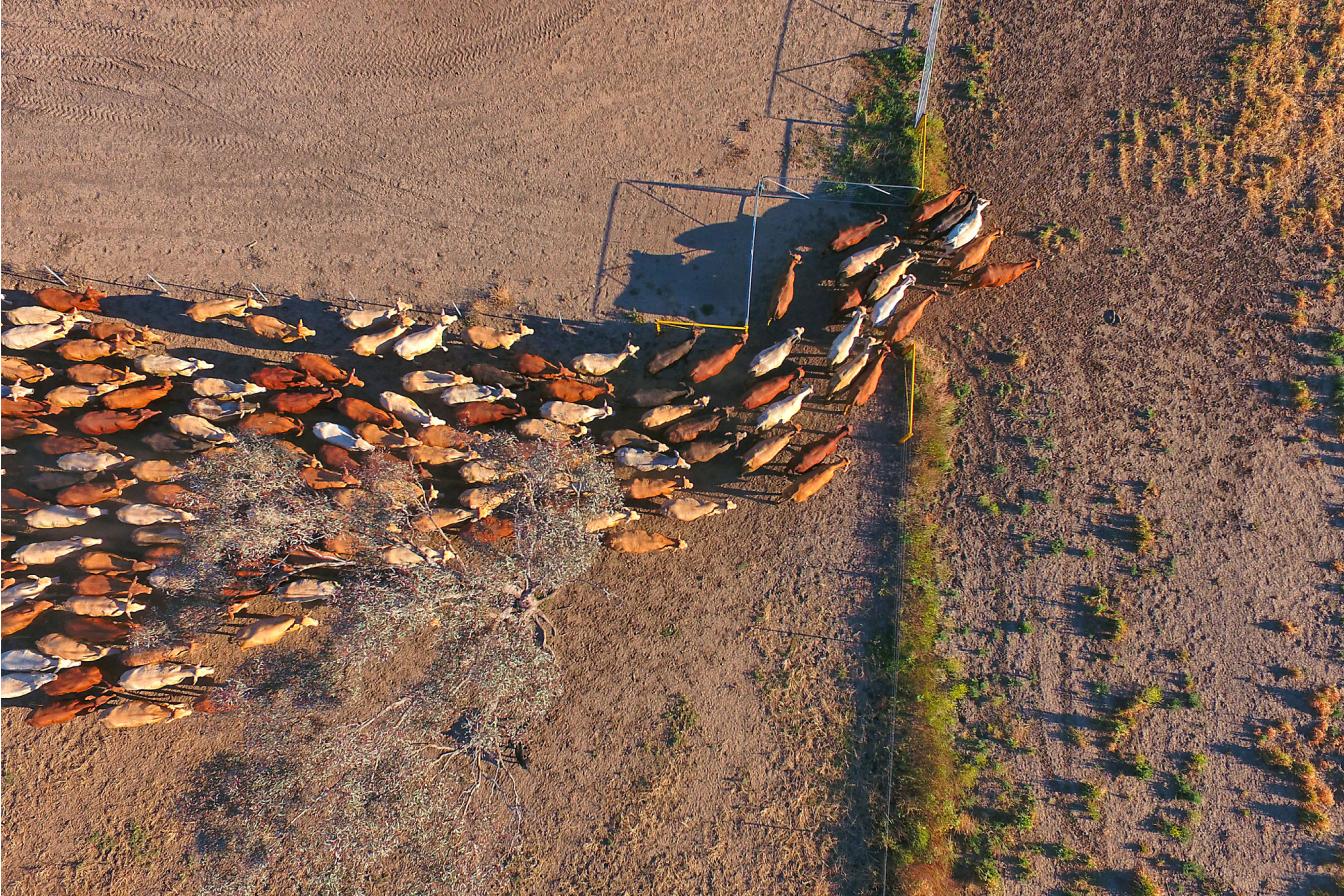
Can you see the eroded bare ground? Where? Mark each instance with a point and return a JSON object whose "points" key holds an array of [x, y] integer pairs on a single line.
{"points": [[710, 711], [1180, 413]]}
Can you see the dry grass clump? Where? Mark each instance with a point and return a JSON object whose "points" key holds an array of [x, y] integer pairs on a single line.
{"points": [[1273, 127], [1284, 750], [380, 760]]}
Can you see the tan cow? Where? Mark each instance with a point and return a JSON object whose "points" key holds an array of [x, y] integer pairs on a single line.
{"points": [[993, 275], [807, 485], [637, 541]]}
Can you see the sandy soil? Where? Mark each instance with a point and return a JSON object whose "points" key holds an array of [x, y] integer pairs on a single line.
{"points": [[1179, 413], [413, 150]]}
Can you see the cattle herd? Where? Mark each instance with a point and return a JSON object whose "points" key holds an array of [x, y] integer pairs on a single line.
{"points": [[113, 438]]}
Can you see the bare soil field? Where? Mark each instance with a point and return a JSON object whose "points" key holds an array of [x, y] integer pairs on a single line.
{"points": [[713, 699], [1138, 502]]}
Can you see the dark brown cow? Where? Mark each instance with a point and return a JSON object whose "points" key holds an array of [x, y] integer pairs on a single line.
{"points": [[713, 364], [688, 429], [104, 423], [300, 401], [278, 379], [490, 375], [811, 455], [852, 296], [55, 446], [488, 530], [926, 210], [323, 370], [75, 680], [852, 236], [59, 712], [481, 413], [15, 501], [95, 629], [707, 448], [769, 388], [130, 398], [169, 494], [992, 275], [360, 411], [65, 301], [337, 458], [673, 353]]}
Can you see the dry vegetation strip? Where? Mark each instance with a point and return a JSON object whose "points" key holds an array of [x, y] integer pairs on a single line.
{"points": [[927, 779]]}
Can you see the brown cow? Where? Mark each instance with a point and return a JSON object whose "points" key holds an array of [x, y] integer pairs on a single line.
{"points": [[75, 680], [637, 541], [94, 629], [156, 471], [480, 413], [65, 301], [641, 488], [55, 446], [23, 407], [337, 458], [1001, 274], [573, 390], [688, 429], [278, 379], [706, 449], [713, 364], [783, 297], [488, 530], [171, 495], [926, 210], [61, 711], [322, 369], [769, 388], [319, 478], [381, 438], [905, 325], [672, 354], [490, 375], [811, 455], [86, 494], [852, 236], [160, 554], [300, 401], [268, 327], [809, 484], [360, 411], [15, 501], [98, 584], [852, 296], [20, 616], [17, 370], [869, 378], [130, 398], [85, 349], [122, 334], [19, 427], [105, 562], [536, 366], [267, 423], [974, 252], [145, 656], [103, 423], [101, 375]]}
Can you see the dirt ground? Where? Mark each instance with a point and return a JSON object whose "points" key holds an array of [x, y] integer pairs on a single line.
{"points": [[421, 151], [426, 152]]}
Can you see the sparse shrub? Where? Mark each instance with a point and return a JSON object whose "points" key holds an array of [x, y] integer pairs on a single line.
{"points": [[1093, 796], [1144, 535], [988, 505], [1144, 885], [1141, 768], [1300, 396]]}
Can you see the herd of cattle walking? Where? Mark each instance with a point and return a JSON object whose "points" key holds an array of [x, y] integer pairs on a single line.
{"points": [[70, 602]]}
